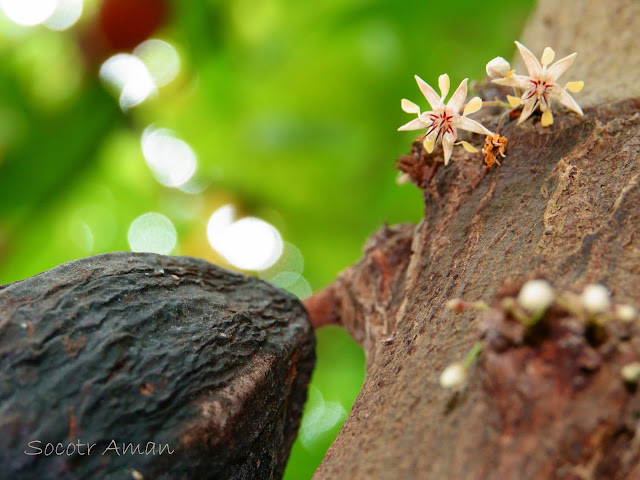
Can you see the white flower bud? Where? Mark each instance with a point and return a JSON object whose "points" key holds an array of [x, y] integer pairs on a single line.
{"points": [[595, 299], [454, 375], [455, 305], [626, 313], [498, 68], [536, 296], [631, 372], [403, 178]]}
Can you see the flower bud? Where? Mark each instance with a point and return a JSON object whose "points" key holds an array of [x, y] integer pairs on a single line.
{"points": [[595, 299], [498, 68], [455, 305], [454, 375], [626, 313], [536, 296], [631, 372], [403, 178]]}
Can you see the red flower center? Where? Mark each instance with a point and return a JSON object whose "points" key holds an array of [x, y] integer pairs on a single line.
{"points": [[440, 122]]}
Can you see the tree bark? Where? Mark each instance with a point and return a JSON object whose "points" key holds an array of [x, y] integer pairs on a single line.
{"points": [[564, 206]]}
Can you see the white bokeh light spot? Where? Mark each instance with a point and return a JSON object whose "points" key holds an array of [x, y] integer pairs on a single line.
{"points": [[65, 15], [152, 232], [248, 244], [219, 222], [161, 59], [252, 244], [81, 234], [291, 261], [130, 76], [28, 12], [319, 417], [300, 288], [171, 160]]}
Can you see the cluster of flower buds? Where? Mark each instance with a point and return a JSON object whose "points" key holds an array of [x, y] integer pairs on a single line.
{"points": [[593, 304], [537, 296], [529, 307]]}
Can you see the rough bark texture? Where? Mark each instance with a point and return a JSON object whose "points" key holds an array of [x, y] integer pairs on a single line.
{"points": [[565, 206], [142, 348]]}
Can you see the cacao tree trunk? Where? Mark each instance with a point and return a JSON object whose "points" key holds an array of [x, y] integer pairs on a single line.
{"points": [[564, 206]]}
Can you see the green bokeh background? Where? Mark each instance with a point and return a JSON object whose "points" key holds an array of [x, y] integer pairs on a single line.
{"points": [[292, 110]]}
